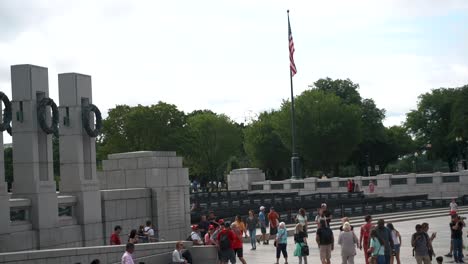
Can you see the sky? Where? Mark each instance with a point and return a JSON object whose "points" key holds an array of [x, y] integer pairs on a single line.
{"points": [[232, 56]]}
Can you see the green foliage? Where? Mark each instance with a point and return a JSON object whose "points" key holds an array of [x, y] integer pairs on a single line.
{"points": [[440, 118], [155, 127], [328, 130], [345, 89], [210, 141], [265, 148]]}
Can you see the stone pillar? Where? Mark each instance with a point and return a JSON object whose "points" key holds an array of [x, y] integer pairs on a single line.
{"points": [[32, 151], [240, 179], [4, 197], [78, 156]]}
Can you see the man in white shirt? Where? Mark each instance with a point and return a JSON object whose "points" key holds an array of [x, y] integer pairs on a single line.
{"points": [[195, 235], [149, 231], [177, 254], [453, 207], [127, 257]]}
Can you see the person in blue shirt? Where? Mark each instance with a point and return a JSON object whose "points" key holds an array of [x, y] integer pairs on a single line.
{"points": [[263, 224], [281, 242]]}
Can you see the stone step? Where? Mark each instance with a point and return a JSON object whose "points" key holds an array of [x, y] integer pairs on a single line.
{"points": [[389, 217]]}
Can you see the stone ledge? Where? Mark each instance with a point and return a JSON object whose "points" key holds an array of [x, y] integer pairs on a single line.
{"points": [[139, 154]]}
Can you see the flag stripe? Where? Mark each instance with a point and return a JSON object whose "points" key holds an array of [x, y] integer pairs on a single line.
{"points": [[292, 65]]}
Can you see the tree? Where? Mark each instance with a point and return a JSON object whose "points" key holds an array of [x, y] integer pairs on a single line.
{"points": [[155, 127], [264, 147], [328, 130], [345, 89], [369, 151], [431, 123], [210, 141]]}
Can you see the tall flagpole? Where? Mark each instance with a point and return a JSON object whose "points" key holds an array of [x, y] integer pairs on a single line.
{"points": [[295, 161]]}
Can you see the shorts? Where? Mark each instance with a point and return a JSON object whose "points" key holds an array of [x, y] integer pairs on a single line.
{"points": [[273, 230], [263, 229], [239, 252], [325, 252], [396, 247], [227, 255]]}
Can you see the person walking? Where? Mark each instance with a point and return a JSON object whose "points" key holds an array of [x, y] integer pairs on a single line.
{"points": [[396, 237], [127, 257], [115, 236], [457, 237], [385, 235], [364, 238], [376, 248], [237, 244], [252, 223], [273, 219], [263, 224], [301, 218], [453, 207], [421, 245], [325, 240], [348, 242], [225, 244], [300, 239], [240, 224], [281, 242]]}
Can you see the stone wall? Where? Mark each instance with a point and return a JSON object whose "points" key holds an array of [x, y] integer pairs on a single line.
{"points": [[240, 179], [454, 184], [148, 253], [132, 188]]}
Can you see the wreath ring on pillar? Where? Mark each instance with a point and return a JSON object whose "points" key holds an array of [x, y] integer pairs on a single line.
{"points": [[86, 110], [41, 116], [7, 114]]}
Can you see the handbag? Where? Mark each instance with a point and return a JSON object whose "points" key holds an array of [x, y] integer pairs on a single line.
{"points": [[305, 250]]}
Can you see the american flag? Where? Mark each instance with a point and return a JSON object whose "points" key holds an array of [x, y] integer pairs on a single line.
{"points": [[291, 50]]}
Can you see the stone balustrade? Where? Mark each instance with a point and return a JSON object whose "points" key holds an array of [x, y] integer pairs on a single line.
{"points": [[436, 184]]}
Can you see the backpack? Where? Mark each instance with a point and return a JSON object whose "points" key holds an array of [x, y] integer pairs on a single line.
{"points": [[326, 236], [224, 243]]}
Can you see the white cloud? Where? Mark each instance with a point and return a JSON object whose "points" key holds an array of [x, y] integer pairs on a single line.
{"points": [[230, 56]]}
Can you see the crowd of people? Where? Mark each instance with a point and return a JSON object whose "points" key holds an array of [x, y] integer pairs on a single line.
{"points": [[380, 242]]}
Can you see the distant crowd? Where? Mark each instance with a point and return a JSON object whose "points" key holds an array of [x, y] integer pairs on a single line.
{"points": [[380, 242]]}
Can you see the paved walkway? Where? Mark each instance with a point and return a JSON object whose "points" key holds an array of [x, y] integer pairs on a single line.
{"points": [[267, 253]]}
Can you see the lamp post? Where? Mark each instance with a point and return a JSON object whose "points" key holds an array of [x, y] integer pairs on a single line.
{"points": [[415, 167], [459, 141]]}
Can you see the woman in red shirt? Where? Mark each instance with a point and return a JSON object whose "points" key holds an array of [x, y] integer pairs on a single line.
{"points": [[365, 236]]}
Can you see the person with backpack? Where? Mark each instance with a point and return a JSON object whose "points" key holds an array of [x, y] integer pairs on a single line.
{"points": [[225, 244], [214, 236], [325, 241], [149, 231], [421, 245], [364, 238]]}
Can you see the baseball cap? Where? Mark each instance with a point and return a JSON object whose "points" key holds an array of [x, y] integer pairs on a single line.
{"points": [[211, 227], [221, 221], [323, 205], [194, 227], [262, 208]]}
